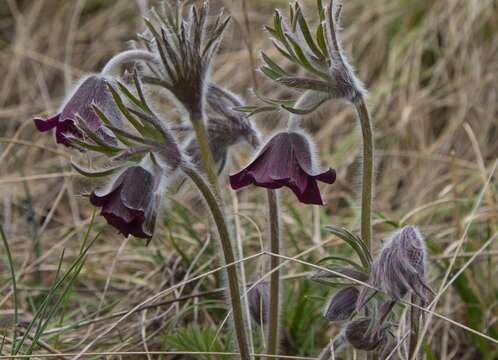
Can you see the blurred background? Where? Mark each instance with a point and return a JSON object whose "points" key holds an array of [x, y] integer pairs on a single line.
{"points": [[431, 68]]}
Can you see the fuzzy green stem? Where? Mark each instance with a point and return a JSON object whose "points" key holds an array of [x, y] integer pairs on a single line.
{"points": [[414, 329], [273, 325], [367, 173], [233, 285], [205, 152]]}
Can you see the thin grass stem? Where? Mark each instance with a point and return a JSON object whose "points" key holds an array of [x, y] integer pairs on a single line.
{"points": [[14, 286]]}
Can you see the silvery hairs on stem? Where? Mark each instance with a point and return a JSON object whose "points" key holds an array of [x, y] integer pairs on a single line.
{"points": [[186, 48]]}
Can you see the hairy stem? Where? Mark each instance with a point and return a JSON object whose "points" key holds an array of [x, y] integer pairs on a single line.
{"points": [[233, 284], [367, 173], [115, 63], [414, 329], [274, 317], [206, 154]]}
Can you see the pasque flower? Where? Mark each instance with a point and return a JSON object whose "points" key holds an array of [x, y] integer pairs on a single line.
{"points": [[341, 305], [400, 267], [129, 202], [93, 90], [287, 159]]}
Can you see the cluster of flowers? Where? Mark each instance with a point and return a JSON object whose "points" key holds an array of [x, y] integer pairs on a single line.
{"points": [[398, 270], [143, 151]]}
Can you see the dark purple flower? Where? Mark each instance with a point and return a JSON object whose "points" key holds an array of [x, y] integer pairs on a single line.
{"points": [[92, 90], [129, 203], [286, 160]]}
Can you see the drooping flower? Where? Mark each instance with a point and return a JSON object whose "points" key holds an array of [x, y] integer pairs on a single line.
{"points": [[129, 202], [287, 159], [341, 304], [93, 90], [400, 267]]}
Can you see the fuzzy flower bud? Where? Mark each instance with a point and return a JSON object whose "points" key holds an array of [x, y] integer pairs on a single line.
{"points": [[341, 304], [400, 266], [259, 301], [93, 90], [287, 159], [360, 335]]}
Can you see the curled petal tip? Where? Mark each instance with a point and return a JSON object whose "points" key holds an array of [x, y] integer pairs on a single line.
{"points": [[48, 124]]}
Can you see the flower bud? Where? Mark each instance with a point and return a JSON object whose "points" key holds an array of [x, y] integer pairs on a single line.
{"points": [[259, 301], [400, 266], [341, 305], [93, 90], [360, 335]]}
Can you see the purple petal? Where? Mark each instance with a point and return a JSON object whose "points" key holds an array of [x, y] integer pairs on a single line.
{"points": [[93, 90], [65, 128], [328, 176], [48, 124]]}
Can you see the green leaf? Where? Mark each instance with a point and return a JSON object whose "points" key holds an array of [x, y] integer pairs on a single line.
{"points": [[91, 147], [108, 123], [119, 102], [94, 173], [270, 72], [320, 39], [303, 59], [95, 138], [275, 102], [305, 30], [273, 65], [354, 242], [343, 259], [304, 111], [126, 92]]}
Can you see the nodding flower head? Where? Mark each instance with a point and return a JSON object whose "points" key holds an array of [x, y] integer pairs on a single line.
{"points": [[360, 335], [225, 127], [130, 201], [93, 90], [400, 266], [287, 159], [187, 48], [259, 300], [341, 304]]}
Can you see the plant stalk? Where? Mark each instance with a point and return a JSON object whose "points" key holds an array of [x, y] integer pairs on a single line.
{"points": [[367, 173], [414, 329], [205, 152], [274, 316], [233, 284]]}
